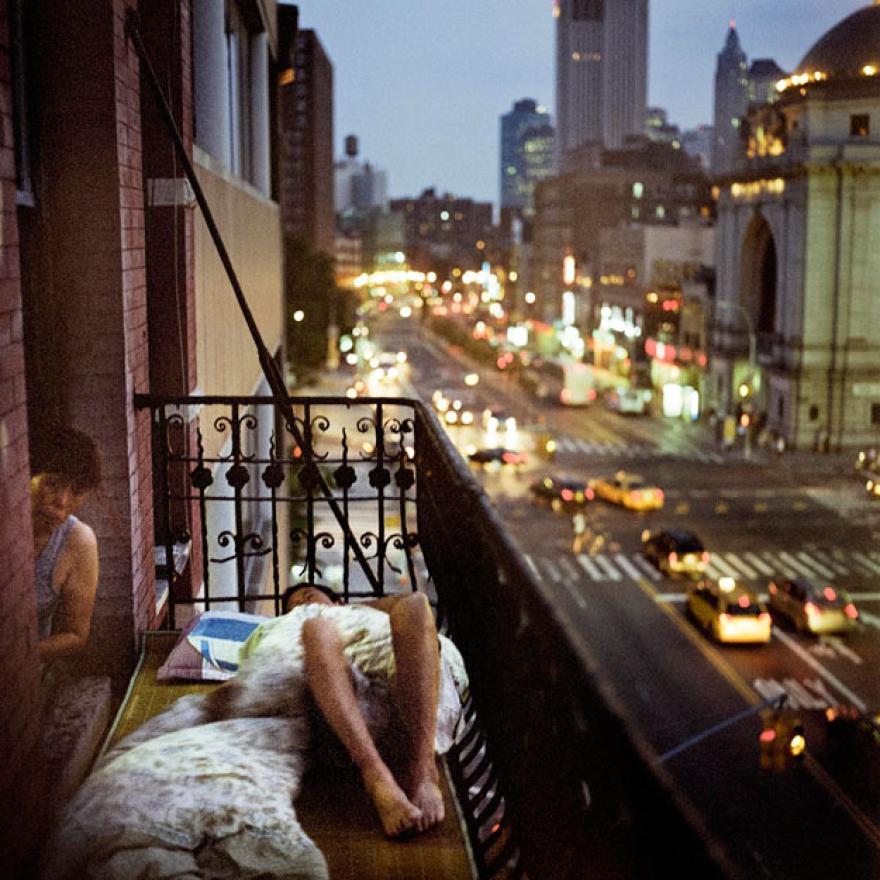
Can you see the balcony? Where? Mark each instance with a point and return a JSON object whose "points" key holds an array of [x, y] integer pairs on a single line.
{"points": [[552, 778]]}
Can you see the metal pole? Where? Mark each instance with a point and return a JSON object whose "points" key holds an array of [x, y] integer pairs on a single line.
{"points": [[752, 361]]}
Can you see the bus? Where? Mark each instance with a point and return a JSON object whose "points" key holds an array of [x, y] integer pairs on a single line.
{"points": [[571, 383]]}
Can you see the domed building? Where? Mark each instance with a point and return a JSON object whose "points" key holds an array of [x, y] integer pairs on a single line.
{"points": [[797, 323]]}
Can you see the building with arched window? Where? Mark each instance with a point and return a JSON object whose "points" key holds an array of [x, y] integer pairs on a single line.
{"points": [[798, 243]]}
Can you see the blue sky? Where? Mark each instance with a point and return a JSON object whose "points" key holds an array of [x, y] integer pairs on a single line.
{"points": [[422, 83]]}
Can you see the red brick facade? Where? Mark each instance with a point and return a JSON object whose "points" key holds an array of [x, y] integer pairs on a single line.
{"points": [[21, 702]]}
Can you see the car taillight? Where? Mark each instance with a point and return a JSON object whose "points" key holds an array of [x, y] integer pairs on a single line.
{"points": [[508, 458], [705, 556], [635, 496], [567, 495], [589, 494], [724, 619], [764, 617], [811, 609], [829, 594], [659, 493], [673, 557], [591, 394], [851, 611]]}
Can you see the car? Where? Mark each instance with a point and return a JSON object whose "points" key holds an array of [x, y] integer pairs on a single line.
{"points": [[629, 401], [497, 455], [630, 491], [675, 551], [872, 487], [496, 419], [561, 493], [454, 407], [728, 612], [810, 608]]}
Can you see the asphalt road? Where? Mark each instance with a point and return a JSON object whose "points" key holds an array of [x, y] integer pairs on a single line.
{"points": [[757, 518]]}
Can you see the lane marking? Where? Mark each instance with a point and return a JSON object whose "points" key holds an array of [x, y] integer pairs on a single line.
{"points": [[832, 679], [531, 564], [575, 594]]}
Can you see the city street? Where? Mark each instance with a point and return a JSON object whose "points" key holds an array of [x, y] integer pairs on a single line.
{"points": [[802, 516]]}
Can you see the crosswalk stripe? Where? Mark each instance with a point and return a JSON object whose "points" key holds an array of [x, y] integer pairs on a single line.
{"points": [[818, 566], [759, 563], [627, 566], [609, 569], [868, 563], [713, 572], [782, 567], [568, 567], [735, 562], [647, 568], [553, 571], [799, 567], [832, 562], [587, 564], [724, 567], [531, 564]]}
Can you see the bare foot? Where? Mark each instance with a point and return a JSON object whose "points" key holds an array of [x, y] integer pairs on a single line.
{"points": [[426, 796], [396, 812]]}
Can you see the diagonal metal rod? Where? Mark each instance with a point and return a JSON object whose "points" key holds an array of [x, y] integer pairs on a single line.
{"points": [[267, 362], [777, 702]]}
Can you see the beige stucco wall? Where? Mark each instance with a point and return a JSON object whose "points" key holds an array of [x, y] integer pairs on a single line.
{"points": [[251, 229]]}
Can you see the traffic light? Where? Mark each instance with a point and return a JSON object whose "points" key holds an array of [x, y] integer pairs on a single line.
{"points": [[745, 390]]}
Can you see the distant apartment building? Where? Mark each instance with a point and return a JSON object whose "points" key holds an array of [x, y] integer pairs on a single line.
{"points": [[659, 128], [444, 230], [764, 75], [697, 142], [359, 186], [652, 184], [601, 72], [307, 194]]}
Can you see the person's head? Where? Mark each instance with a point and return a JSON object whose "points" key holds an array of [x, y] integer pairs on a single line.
{"points": [[308, 594], [65, 468]]}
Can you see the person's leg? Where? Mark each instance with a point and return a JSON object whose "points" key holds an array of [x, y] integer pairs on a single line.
{"points": [[416, 693], [328, 675]]}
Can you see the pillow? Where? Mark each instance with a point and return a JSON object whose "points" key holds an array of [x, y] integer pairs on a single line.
{"points": [[209, 646]]}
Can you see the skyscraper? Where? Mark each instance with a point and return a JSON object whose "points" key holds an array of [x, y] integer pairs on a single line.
{"points": [[524, 130], [601, 71], [731, 101]]}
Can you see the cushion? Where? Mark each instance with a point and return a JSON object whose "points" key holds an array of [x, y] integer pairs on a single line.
{"points": [[209, 646]]}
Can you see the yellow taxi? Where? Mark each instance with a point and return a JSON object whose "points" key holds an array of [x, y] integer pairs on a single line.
{"points": [[630, 491], [727, 612]]}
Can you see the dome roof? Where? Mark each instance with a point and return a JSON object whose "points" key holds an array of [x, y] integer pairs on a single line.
{"points": [[848, 47]]}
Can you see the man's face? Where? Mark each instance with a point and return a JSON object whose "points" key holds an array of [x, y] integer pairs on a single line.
{"points": [[308, 596], [54, 498]]}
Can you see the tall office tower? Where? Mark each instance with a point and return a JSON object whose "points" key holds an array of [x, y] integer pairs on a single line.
{"points": [[522, 162], [601, 72], [731, 101]]}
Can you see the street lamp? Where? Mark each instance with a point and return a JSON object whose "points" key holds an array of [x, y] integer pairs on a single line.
{"points": [[748, 385]]}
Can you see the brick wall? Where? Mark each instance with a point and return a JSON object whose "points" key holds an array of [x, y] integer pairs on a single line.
{"points": [[20, 704]]}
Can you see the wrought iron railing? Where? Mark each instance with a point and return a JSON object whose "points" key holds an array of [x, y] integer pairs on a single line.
{"points": [[553, 780]]}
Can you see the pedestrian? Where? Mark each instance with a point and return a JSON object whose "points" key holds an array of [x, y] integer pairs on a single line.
{"points": [[779, 446], [579, 531]]}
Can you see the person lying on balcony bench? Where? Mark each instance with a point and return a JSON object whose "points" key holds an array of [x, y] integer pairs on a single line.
{"points": [[66, 470], [373, 671]]}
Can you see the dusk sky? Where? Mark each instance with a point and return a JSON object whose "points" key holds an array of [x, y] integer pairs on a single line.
{"points": [[423, 83]]}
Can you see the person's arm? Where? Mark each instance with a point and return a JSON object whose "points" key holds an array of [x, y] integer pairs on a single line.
{"points": [[73, 619], [386, 603]]}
